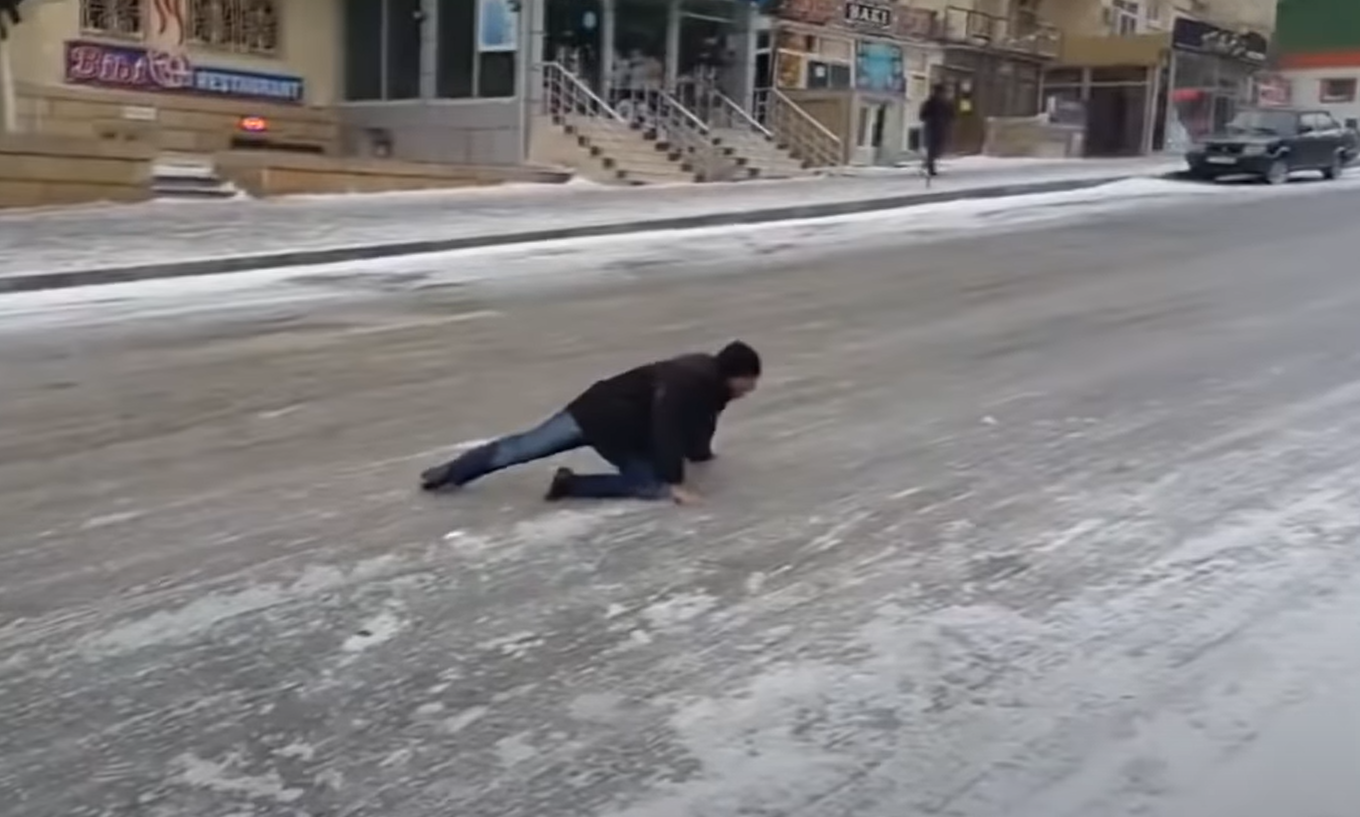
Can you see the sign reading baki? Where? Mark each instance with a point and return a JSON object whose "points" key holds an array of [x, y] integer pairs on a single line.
{"points": [[141, 69], [865, 14]]}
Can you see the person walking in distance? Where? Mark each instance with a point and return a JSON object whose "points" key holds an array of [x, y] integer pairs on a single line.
{"points": [[937, 114], [646, 422]]}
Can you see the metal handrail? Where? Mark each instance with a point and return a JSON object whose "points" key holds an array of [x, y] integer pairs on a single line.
{"points": [[800, 131], [741, 114], [567, 93], [687, 117], [809, 118]]}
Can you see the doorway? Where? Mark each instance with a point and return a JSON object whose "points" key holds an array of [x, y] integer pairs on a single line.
{"points": [[571, 36], [869, 132]]}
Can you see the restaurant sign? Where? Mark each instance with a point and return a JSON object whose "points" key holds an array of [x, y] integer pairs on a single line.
{"points": [[140, 69]]}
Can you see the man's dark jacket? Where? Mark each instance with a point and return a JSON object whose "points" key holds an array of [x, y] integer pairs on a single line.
{"points": [[664, 412], [936, 115]]}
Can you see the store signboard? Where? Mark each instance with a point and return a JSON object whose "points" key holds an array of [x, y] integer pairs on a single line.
{"points": [[879, 68], [134, 68], [1197, 35], [868, 15]]}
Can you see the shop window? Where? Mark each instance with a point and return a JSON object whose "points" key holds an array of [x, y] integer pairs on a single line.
{"points": [[111, 18], [477, 41], [1337, 90], [246, 26], [806, 61], [382, 49]]}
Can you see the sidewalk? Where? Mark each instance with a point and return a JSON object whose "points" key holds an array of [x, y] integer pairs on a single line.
{"points": [[109, 243]]}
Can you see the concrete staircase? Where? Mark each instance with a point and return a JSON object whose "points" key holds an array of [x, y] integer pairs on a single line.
{"points": [[608, 151], [757, 155], [188, 176]]}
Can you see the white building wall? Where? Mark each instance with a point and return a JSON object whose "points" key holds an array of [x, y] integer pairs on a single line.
{"points": [[1306, 90]]}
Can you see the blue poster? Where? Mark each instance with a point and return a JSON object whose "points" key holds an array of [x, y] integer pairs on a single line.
{"points": [[496, 25], [878, 68]]}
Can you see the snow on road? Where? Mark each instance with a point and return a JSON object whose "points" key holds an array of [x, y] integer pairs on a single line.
{"points": [[571, 262]]}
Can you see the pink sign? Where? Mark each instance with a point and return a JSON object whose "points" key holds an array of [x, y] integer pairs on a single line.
{"points": [[126, 67]]}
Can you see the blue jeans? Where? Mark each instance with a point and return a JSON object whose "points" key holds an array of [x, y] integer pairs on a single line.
{"points": [[556, 435], [636, 479]]}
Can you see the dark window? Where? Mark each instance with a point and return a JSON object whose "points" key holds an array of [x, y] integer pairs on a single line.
{"points": [[382, 49], [363, 49], [457, 48], [1063, 76], [1337, 90], [496, 74], [461, 71], [403, 49], [1123, 74]]}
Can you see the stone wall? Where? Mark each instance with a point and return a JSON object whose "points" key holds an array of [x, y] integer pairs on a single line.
{"points": [[168, 122], [38, 171], [278, 174]]}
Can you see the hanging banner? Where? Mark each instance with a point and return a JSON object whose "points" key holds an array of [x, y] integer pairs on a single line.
{"points": [[496, 26]]}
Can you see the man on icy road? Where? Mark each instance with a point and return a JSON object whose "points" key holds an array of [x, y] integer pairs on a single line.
{"points": [[646, 422]]}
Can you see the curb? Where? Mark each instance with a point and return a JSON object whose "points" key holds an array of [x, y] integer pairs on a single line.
{"points": [[29, 282]]}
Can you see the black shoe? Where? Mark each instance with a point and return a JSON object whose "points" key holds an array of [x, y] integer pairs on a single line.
{"points": [[561, 481], [435, 479]]}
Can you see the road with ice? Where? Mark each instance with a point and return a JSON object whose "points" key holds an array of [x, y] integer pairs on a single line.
{"points": [[1034, 517]]}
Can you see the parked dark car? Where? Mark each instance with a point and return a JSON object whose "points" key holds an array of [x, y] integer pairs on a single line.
{"points": [[1350, 139], [1272, 143]]}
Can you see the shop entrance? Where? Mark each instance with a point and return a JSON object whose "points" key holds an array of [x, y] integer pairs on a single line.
{"points": [[872, 118], [711, 54], [572, 37]]}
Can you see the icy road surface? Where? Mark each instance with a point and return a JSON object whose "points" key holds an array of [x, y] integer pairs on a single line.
{"points": [[1058, 522]]}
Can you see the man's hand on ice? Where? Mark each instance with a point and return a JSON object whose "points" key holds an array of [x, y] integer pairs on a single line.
{"points": [[683, 496]]}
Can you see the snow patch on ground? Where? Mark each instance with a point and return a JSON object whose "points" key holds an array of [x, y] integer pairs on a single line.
{"points": [[1125, 698], [569, 260], [201, 615], [221, 777], [678, 610], [376, 630]]}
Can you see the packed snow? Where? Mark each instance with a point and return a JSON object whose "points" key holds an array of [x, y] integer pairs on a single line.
{"points": [[570, 262]]}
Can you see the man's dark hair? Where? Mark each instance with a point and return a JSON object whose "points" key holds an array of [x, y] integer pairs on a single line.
{"points": [[738, 360]]}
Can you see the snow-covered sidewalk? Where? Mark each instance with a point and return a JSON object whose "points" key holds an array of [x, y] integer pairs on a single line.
{"points": [[170, 232]]}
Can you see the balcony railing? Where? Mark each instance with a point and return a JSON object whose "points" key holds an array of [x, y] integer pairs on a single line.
{"points": [[1023, 33]]}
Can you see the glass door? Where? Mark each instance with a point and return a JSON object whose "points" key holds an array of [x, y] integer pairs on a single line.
{"points": [[869, 132]]}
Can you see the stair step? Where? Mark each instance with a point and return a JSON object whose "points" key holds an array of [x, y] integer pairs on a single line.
{"points": [[661, 178]]}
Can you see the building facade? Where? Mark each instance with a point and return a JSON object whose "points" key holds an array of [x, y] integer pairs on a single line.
{"points": [[1317, 50], [191, 71], [1154, 75], [861, 68], [995, 55]]}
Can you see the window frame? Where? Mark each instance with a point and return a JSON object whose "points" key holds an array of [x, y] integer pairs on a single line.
{"points": [[140, 14], [1347, 96], [817, 54], [478, 73], [238, 42]]}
